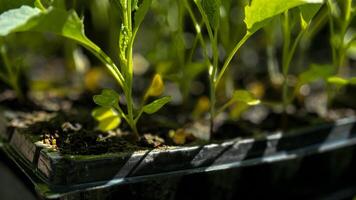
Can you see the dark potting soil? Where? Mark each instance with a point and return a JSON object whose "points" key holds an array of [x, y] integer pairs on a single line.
{"points": [[73, 131], [74, 134]]}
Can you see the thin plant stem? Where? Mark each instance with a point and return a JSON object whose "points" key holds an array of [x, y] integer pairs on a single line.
{"points": [[285, 63], [231, 56]]}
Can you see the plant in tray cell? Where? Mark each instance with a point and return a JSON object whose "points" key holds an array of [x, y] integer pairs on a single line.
{"points": [[258, 14], [68, 24], [342, 38]]}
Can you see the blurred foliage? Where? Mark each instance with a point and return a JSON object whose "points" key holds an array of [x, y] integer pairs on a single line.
{"points": [[167, 44]]}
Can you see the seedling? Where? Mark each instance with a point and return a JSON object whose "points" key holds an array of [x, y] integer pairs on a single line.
{"points": [[69, 25], [10, 72], [341, 14], [257, 15]]}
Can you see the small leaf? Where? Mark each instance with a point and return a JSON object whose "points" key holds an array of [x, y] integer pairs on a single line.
{"points": [[109, 123], [156, 105], [107, 117], [307, 13], [342, 81], [212, 11], [259, 12], [245, 97], [238, 109], [102, 113], [338, 81], [107, 98], [141, 12], [156, 88]]}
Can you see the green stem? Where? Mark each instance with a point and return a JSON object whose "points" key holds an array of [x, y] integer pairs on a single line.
{"points": [[285, 63], [231, 56], [225, 106], [109, 64], [212, 97], [197, 27], [129, 58], [192, 50]]}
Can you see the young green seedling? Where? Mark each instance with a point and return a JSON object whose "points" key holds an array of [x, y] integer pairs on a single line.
{"points": [[69, 25], [257, 15], [10, 72], [341, 14], [306, 14]]}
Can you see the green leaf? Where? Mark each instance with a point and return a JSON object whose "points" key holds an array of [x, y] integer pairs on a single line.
{"points": [[156, 88], [107, 98], [107, 117], [109, 123], [156, 105], [307, 13], [212, 11], [259, 12], [314, 73], [14, 19], [338, 81], [53, 20], [245, 97], [141, 12]]}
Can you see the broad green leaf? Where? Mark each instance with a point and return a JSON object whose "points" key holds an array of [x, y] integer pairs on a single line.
{"points": [[141, 12], [307, 12], [338, 81], [107, 117], [53, 20], [14, 19], [156, 105], [212, 11], [259, 12], [245, 97], [107, 98], [156, 88]]}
